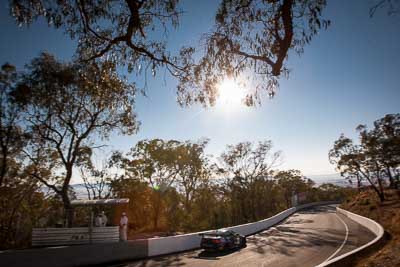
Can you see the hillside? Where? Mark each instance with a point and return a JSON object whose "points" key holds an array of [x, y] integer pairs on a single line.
{"points": [[388, 215]]}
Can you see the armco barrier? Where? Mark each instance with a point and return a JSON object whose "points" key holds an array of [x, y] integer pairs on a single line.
{"points": [[376, 228]]}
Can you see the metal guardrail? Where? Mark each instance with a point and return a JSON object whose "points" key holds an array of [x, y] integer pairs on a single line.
{"points": [[74, 236]]}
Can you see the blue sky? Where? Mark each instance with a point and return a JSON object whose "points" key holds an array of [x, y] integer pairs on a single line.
{"points": [[348, 75]]}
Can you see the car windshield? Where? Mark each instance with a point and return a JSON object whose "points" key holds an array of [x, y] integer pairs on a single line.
{"points": [[218, 233]]}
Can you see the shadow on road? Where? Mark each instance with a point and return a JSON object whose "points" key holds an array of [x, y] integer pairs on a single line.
{"points": [[293, 233], [215, 255], [318, 209]]}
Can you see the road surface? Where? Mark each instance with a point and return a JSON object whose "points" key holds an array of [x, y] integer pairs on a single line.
{"points": [[307, 238]]}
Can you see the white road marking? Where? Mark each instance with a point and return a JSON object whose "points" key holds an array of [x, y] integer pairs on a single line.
{"points": [[344, 241]]}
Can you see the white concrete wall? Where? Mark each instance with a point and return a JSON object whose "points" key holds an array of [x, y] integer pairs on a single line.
{"points": [[373, 226], [170, 244], [252, 228]]}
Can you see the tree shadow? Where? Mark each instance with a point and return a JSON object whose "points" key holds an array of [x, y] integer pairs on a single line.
{"points": [[216, 255], [287, 239], [316, 210]]}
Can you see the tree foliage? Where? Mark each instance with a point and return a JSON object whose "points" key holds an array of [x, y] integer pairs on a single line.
{"points": [[162, 164], [128, 33], [376, 158], [12, 137], [292, 182]]}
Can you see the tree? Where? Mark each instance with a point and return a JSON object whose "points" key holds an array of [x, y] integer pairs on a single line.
{"points": [[243, 165], [12, 137], [346, 156], [383, 145], [291, 182], [248, 35], [69, 106], [192, 169], [156, 163], [355, 160], [376, 158], [97, 181]]}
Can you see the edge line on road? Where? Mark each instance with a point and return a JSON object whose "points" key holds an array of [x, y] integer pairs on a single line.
{"points": [[344, 241]]}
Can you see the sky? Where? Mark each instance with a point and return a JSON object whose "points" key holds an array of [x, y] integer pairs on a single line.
{"points": [[348, 75]]}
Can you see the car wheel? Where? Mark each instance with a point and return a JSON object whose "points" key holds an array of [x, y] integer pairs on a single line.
{"points": [[243, 242]]}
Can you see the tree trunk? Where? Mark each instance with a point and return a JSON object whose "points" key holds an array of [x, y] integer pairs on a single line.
{"points": [[68, 209], [3, 170], [157, 208], [391, 180], [358, 183], [381, 190]]}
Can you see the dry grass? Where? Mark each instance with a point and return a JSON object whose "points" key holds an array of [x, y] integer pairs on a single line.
{"points": [[388, 215]]}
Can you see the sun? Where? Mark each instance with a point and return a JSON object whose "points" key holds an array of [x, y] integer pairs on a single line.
{"points": [[230, 94]]}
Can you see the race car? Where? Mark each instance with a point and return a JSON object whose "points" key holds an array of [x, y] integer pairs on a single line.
{"points": [[220, 240]]}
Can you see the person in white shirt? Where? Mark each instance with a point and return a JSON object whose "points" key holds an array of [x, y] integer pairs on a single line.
{"points": [[98, 221], [103, 219], [123, 227]]}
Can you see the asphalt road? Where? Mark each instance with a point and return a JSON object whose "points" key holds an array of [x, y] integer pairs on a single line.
{"points": [[306, 238]]}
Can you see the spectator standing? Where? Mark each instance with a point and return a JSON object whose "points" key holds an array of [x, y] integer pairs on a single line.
{"points": [[98, 221], [123, 227], [103, 219]]}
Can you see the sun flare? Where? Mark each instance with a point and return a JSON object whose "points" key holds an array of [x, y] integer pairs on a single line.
{"points": [[230, 94]]}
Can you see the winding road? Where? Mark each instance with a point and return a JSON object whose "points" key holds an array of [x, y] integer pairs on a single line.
{"points": [[307, 238]]}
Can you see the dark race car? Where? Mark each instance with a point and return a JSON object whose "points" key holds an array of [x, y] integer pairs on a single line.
{"points": [[222, 239]]}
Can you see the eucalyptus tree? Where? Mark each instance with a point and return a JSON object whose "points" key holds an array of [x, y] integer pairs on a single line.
{"points": [[376, 158], [70, 108], [292, 182], [154, 162], [12, 136], [244, 167], [193, 169], [347, 157], [383, 145], [17, 191]]}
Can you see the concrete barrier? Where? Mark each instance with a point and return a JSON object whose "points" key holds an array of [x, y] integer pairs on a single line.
{"points": [[81, 255], [374, 227], [252, 228]]}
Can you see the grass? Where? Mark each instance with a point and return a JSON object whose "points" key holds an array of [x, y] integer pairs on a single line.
{"points": [[388, 215]]}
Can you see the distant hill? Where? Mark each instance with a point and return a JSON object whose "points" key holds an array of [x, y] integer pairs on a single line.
{"points": [[333, 178]]}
